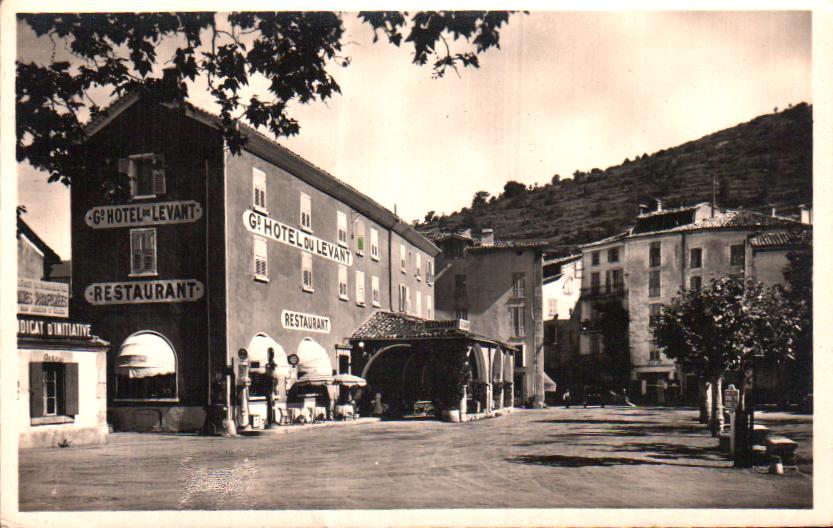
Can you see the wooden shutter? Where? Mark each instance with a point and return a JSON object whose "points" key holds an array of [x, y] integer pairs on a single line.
{"points": [[149, 251], [35, 389], [136, 240], [158, 183], [71, 388]]}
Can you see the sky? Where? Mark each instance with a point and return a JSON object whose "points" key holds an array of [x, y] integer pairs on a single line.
{"points": [[567, 91]]}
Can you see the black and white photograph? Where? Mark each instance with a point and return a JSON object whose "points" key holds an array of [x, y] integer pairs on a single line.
{"points": [[403, 267]]}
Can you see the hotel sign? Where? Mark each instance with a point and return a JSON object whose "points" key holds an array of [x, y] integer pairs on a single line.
{"points": [[305, 322], [36, 297], [274, 230], [138, 292], [143, 214]]}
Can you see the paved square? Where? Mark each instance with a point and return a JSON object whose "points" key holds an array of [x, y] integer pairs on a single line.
{"points": [[553, 458]]}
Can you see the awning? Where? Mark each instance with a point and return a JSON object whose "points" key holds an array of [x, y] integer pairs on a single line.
{"points": [[549, 384], [349, 380], [144, 355], [313, 360], [259, 355], [314, 379]]}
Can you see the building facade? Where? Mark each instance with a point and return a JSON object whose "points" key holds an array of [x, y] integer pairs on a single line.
{"points": [[497, 287], [185, 254], [561, 292]]}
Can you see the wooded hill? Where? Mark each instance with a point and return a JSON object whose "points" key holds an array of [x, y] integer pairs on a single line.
{"points": [[764, 163]]}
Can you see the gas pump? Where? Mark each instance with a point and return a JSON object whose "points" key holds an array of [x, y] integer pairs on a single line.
{"points": [[271, 374], [240, 364]]}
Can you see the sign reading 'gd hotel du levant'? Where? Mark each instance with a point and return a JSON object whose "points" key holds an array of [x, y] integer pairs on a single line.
{"points": [[143, 214], [306, 322], [274, 230], [135, 292]]}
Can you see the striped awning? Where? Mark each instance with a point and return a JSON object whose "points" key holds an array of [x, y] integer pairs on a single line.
{"points": [[314, 379], [549, 384], [259, 355], [144, 355], [313, 360]]}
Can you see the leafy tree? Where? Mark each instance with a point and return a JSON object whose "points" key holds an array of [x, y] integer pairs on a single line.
{"points": [[722, 327], [292, 51], [556, 179], [479, 199], [799, 292], [513, 189], [430, 216]]}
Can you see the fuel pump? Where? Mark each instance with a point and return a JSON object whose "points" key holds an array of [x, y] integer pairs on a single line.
{"points": [[240, 364], [271, 374]]}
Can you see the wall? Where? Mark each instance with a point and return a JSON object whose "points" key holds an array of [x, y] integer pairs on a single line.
{"points": [[588, 299], [29, 259], [767, 265], [409, 277]]}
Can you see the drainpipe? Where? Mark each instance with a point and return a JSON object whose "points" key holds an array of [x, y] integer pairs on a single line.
{"points": [[390, 270]]}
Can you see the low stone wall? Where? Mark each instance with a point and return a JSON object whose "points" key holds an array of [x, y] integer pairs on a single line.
{"points": [[150, 419], [67, 435]]}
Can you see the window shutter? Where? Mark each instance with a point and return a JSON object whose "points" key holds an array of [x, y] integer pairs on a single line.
{"points": [[149, 251], [35, 389], [136, 244], [124, 166], [71, 388], [158, 174]]}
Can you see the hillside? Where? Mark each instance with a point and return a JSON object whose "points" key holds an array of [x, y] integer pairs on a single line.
{"points": [[764, 163]]}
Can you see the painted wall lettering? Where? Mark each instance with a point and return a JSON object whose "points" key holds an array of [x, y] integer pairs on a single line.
{"points": [[135, 292], [306, 322], [36, 297], [143, 214], [274, 230]]}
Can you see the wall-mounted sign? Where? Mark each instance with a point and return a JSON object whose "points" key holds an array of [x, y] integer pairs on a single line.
{"points": [[143, 214], [155, 291], [292, 359], [54, 329], [305, 322], [36, 297], [274, 230]]}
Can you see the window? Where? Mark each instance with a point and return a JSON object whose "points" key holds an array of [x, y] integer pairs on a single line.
{"points": [[403, 298], [418, 303], [374, 286], [516, 314], [259, 189], [613, 255], [407, 300], [429, 310], [459, 284], [306, 212], [342, 282], [343, 360], [374, 244], [654, 284], [595, 283], [518, 284], [306, 272], [595, 344], [260, 256], [145, 368], [738, 255], [655, 255], [653, 313], [53, 389], [341, 221], [143, 252], [520, 359], [403, 258], [146, 173], [695, 282], [461, 314], [360, 288], [429, 271], [696, 257], [594, 258], [454, 249], [359, 233], [419, 266], [653, 351]]}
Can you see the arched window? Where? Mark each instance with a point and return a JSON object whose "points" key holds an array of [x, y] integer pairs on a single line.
{"points": [[146, 368]]}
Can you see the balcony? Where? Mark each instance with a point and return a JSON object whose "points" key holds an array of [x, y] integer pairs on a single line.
{"points": [[608, 290]]}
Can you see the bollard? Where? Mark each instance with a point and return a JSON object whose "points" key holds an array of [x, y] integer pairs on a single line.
{"points": [[776, 467]]}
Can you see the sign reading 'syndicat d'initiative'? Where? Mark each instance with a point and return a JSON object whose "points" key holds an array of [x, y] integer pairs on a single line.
{"points": [[274, 230], [143, 214], [305, 322], [136, 292]]}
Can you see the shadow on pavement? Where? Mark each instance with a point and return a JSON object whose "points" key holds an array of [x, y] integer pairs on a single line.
{"points": [[666, 450], [579, 461]]}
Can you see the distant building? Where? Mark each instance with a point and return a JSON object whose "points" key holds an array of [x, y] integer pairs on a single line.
{"points": [[668, 250], [561, 291], [35, 259], [498, 287]]}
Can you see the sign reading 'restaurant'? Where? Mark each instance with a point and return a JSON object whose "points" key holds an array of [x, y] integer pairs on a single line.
{"points": [[156, 291], [274, 230], [306, 322], [36, 297], [143, 214]]}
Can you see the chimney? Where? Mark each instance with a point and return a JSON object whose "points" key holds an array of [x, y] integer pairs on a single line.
{"points": [[643, 209], [806, 214], [659, 204], [487, 237]]}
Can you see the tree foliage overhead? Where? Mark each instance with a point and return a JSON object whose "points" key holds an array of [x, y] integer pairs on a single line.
{"points": [[293, 51]]}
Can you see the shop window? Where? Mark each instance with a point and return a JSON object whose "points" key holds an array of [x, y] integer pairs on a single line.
{"points": [[359, 233], [53, 389], [306, 212], [403, 258], [146, 174], [374, 244], [146, 368], [518, 284], [696, 257], [655, 254], [259, 189], [342, 282], [429, 271], [429, 309], [360, 288], [143, 252], [375, 295], [341, 221], [654, 285], [306, 272], [260, 257], [696, 282], [418, 266], [613, 255], [738, 255], [461, 314], [419, 303], [516, 314], [594, 258]]}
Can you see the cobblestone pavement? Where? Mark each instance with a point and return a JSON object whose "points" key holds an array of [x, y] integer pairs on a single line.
{"points": [[553, 458]]}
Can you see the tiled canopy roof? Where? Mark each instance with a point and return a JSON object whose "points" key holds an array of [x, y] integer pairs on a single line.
{"points": [[388, 325], [778, 240]]}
